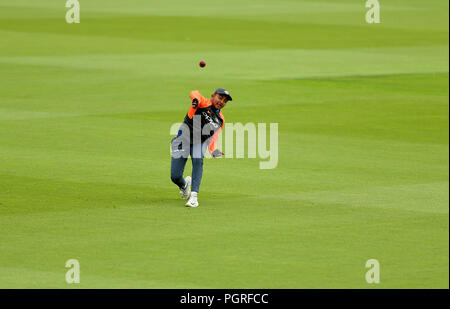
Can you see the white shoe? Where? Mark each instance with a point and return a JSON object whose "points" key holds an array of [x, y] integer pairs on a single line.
{"points": [[186, 193], [193, 202]]}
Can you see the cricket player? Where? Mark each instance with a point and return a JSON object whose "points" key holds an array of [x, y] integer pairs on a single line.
{"points": [[200, 129]]}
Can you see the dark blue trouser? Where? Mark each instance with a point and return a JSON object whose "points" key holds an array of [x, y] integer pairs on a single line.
{"points": [[197, 153]]}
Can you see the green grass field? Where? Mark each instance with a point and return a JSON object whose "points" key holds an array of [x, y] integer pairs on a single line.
{"points": [[363, 171]]}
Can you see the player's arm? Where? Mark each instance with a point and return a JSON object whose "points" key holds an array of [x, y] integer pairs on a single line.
{"points": [[197, 101], [216, 153]]}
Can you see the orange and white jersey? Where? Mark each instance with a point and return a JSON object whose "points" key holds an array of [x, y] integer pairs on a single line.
{"points": [[210, 119]]}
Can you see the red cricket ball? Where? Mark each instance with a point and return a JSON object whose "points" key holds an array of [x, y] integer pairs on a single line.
{"points": [[202, 64]]}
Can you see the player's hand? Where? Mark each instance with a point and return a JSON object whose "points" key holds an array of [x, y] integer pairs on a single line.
{"points": [[195, 103], [217, 153]]}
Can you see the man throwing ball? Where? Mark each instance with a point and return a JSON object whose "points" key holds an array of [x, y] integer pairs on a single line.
{"points": [[199, 131]]}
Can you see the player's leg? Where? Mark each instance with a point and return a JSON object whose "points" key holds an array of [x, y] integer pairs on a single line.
{"points": [[197, 154], [176, 172], [177, 166]]}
